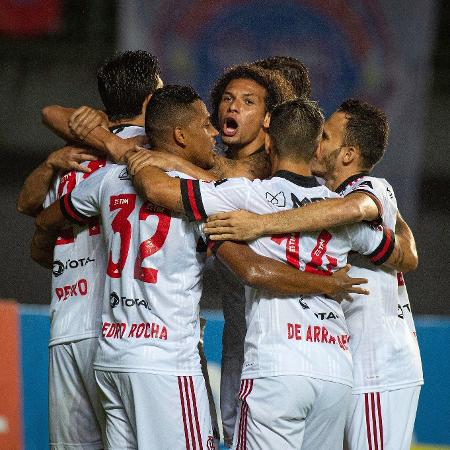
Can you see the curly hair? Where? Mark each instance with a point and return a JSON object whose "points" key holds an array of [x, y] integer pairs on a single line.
{"points": [[277, 87], [292, 69], [367, 128], [125, 81]]}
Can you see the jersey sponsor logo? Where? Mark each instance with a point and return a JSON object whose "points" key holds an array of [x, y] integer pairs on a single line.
{"points": [[72, 290], [120, 330], [59, 267], [277, 199], [326, 316], [296, 203], [124, 175], [115, 300], [316, 333]]}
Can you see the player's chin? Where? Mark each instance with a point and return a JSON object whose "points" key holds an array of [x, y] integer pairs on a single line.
{"points": [[229, 140]]}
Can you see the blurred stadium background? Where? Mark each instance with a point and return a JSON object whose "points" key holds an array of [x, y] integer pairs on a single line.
{"points": [[395, 53]]}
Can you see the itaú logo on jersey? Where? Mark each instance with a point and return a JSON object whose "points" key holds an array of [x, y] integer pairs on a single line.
{"points": [[59, 267], [115, 300]]}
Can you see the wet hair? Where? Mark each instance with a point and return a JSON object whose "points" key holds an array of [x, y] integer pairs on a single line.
{"points": [[292, 69], [125, 81], [296, 129], [277, 87], [169, 107], [367, 128]]}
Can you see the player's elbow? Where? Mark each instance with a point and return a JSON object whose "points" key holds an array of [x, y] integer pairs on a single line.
{"points": [[46, 114], [411, 263], [252, 275]]}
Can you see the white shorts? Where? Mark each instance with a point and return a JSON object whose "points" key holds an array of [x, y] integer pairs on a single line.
{"points": [[149, 411], [76, 418], [382, 420], [291, 412]]}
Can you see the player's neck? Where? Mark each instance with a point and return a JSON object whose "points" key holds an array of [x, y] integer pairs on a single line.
{"points": [[241, 152], [334, 180], [297, 167]]}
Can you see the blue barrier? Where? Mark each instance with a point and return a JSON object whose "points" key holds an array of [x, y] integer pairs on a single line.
{"points": [[433, 418]]}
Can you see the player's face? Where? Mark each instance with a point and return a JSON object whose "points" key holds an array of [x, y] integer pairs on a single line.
{"points": [[242, 111], [201, 137], [325, 162]]}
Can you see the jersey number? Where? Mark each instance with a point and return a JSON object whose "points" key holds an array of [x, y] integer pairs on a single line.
{"points": [[125, 204], [317, 254]]}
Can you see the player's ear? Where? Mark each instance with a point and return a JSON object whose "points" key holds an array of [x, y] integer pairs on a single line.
{"points": [[179, 136], [349, 154]]}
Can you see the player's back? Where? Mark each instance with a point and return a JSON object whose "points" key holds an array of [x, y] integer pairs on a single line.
{"points": [[79, 263], [383, 343], [153, 282], [306, 335]]}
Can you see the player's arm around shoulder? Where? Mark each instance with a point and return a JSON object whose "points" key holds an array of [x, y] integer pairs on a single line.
{"points": [[152, 183], [280, 279]]}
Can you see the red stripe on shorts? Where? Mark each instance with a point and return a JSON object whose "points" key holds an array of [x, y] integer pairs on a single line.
{"points": [[183, 412], [374, 421], [380, 421], [197, 424], [369, 437], [246, 389]]}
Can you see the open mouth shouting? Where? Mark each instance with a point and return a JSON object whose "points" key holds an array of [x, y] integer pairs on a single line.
{"points": [[229, 127]]}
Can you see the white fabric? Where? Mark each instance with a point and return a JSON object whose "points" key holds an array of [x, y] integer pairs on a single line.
{"points": [[383, 342], [79, 266], [153, 411], [76, 418], [153, 283], [291, 413], [307, 335], [383, 420]]}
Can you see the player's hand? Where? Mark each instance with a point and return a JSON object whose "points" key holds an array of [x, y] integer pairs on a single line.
{"points": [[70, 158], [346, 285], [140, 158], [118, 148], [234, 226], [85, 119]]}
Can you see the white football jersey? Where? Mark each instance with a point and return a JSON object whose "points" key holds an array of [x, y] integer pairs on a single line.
{"points": [[79, 263], [304, 335], [382, 333], [150, 319]]}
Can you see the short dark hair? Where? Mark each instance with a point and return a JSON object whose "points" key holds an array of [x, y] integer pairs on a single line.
{"points": [[292, 69], [367, 128], [169, 107], [125, 81], [296, 129], [277, 87]]}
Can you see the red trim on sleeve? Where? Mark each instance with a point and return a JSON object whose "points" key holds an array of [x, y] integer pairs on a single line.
{"points": [[387, 244], [72, 213], [192, 202]]}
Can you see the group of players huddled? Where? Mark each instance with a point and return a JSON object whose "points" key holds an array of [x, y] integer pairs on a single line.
{"points": [[126, 215]]}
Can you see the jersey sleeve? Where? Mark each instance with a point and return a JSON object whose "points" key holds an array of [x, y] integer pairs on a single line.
{"points": [[202, 198], [83, 201], [370, 187], [376, 243]]}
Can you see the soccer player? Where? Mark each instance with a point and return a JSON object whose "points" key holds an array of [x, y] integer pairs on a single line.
{"points": [[76, 418], [297, 373], [387, 366]]}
